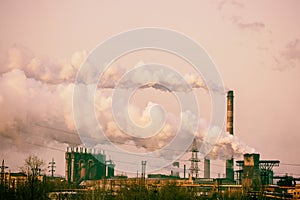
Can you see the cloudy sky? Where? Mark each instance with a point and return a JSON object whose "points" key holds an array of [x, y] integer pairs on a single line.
{"points": [[254, 44]]}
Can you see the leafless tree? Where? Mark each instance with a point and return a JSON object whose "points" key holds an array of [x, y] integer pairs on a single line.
{"points": [[33, 165]]}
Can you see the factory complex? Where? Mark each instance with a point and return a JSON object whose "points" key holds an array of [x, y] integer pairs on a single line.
{"points": [[88, 172]]}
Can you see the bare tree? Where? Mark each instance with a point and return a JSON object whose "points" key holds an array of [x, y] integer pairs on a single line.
{"points": [[33, 165]]}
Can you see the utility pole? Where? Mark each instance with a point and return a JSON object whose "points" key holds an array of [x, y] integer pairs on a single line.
{"points": [[3, 167], [3, 181], [52, 167]]}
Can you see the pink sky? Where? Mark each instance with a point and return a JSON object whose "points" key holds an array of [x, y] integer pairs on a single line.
{"points": [[255, 45]]}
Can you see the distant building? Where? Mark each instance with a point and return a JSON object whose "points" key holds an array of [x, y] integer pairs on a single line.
{"points": [[162, 176], [83, 165], [13, 180]]}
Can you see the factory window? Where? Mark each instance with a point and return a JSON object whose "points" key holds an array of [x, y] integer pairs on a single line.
{"points": [[91, 163]]}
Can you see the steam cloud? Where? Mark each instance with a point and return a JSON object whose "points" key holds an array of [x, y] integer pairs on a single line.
{"points": [[36, 100]]}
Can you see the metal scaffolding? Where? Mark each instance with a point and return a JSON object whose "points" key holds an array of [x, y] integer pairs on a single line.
{"points": [[194, 169]]}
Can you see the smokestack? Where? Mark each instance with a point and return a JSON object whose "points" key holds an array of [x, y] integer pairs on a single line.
{"points": [[206, 168], [229, 128], [230, 112]]}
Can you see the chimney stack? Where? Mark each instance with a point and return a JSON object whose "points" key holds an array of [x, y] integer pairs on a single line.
{"points": [[206, 168], [230, 112], [229, 128]]}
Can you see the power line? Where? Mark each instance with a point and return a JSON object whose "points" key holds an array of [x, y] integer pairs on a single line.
{"points": [[134, 163], [104, 140], [112, 151], [284, 173], [114, 142], [290, 164]]}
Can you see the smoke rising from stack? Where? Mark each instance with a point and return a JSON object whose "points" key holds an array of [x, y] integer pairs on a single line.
{"points": [[37, 91], [228, 146]]}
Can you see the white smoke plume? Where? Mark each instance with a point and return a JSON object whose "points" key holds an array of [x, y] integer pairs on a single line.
{"points": [[149, 78], [36, 91], [229, 146], [36, 104], [44, 70]]}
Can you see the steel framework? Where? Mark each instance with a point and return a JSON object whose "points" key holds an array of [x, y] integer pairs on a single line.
{"points": [[194, 169], [265, 167]]}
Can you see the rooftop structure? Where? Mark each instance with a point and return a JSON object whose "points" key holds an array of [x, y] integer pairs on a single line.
{"points": [[82, 164], [265, 168]]}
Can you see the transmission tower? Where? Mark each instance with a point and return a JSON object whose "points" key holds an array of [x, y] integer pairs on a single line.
{"points": [[52, 167], [194, 169], [3, 167]]}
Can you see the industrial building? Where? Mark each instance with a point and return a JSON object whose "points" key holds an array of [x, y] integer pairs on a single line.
{"points": [[82, 164], [252, 168]]}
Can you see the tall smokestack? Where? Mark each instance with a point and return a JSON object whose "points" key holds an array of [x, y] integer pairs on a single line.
{"points": [[206, 168], [230, 112], [229, 163]]}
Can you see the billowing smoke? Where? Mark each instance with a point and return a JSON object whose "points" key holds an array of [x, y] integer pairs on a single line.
{"points": [[229, 146], [43, 70], [149, 78], [36, 105], [35, 91]]}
